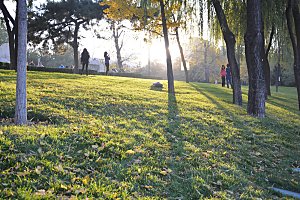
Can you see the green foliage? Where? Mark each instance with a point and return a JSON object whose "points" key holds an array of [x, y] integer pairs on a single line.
{"points": [[108, 137], [57, 22]]}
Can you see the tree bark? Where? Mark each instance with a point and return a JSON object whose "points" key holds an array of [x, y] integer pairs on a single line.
{"points": [[182, 56], [116, 36], [21, 93], [230, 45], [75, 48], [171, 89], [255, 58], [267, 64], [293, 19]]}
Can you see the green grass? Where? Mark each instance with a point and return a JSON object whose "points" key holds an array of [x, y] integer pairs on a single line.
{"points": [[114, 138]]}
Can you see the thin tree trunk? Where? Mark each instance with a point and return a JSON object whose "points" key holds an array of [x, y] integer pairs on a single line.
{"points": [[171, 89], [230, 45], [116, 36], [206, 67], [293, 18], [21, 94], [75, 47], [267, 64], [182, 56], [255, 56]]}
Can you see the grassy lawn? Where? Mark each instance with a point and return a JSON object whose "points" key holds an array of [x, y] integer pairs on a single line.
{"points": [[114, 138]]}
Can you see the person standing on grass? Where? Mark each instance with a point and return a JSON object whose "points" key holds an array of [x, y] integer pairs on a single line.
{"points": [[106, 60], [228, 76], [85, 56], [223, 75]]}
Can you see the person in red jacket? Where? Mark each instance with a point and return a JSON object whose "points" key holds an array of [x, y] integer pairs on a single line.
{"points": [[223, 75]]}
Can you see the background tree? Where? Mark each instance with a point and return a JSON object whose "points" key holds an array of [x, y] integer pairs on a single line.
{"points": [[293, 22], [11, 24], [56, 23], [3, 33], [255, 56], [21, 94]]}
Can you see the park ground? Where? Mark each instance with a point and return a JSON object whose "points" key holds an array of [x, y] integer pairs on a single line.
{"points": [[103, 137]]}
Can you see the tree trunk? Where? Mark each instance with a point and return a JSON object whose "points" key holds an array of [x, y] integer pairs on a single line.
{"points": [[171, 89], [230, 45], [267, 64], [116, 36], [206, 67], [75, 48], [255, 56], [21, 99], [182, 56], [293, 18]]}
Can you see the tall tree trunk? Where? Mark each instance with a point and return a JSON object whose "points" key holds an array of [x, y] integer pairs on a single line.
{"points": [[182, 56], [21, 94], [230, 45], [75, 47], [293, 19], [116, 36], [255, 56], [171, 89], [267, 64]]}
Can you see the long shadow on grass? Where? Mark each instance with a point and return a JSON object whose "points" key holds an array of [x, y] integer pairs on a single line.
{"points": [[256, 151]]}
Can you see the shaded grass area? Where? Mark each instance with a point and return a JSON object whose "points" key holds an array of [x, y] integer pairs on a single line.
{"points": [[112, 137]]}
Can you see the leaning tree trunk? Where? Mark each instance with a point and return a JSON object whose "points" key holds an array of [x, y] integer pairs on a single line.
{"points": [[171, 89], [21, 99], [182, 56], [230, 45], [255, 56], [267, 64], [293, 16]]}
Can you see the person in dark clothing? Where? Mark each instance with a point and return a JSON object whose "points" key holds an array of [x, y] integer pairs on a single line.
{"points": [[223, 75], [106, 60], [85, 56], [228, 76]]}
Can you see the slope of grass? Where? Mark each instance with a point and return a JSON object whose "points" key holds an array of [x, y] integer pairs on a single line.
{"points": [[114, 138]]}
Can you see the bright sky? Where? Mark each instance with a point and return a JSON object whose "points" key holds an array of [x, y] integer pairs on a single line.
{"points": [[133, 44]]}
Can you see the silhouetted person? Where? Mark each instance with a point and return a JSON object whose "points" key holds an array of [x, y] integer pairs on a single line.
{"points": [[85, 56], [228, 76], [223, 75], [106, 61]]}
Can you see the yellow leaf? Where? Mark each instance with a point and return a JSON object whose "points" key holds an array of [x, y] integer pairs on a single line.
{"points": [[22, 173], [63, 186], [85, 180], [148, 187], [163, 173], [130, 152]]}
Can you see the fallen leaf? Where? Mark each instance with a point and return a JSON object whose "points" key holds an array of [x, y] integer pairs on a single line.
{"points": [[130, 152], [41, 192], [63, 186], [148, 187], [163, 173]]}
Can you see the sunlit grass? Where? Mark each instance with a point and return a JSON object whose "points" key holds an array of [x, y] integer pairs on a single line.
{"points": [[112, 137]]}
